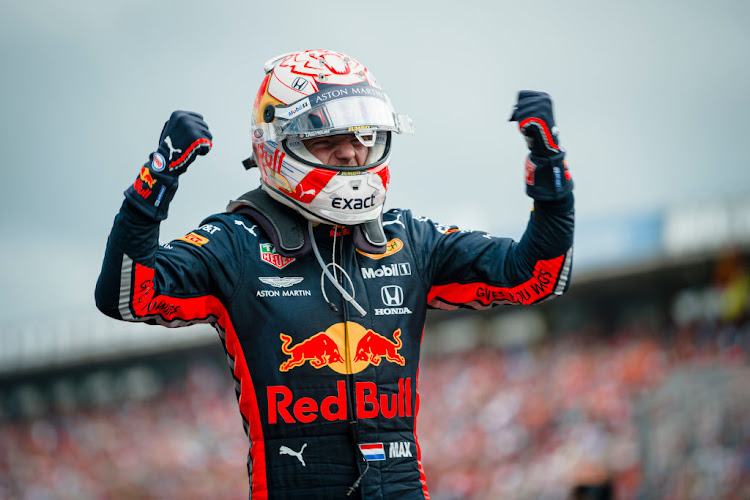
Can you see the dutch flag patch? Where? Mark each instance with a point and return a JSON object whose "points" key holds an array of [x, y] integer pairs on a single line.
{"points": [[372, 451]]}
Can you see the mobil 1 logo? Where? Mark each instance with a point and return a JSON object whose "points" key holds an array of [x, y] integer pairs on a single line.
{"points": [[387, 271]]}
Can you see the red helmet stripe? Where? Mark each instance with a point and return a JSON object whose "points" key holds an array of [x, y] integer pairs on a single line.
{"points": [[309, 187], [261, 91], [384, 173]]}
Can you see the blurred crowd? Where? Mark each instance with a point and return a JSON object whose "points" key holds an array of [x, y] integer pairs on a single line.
{"points": [[184, 440], [637, 411], [584, 411], [527, 423]]}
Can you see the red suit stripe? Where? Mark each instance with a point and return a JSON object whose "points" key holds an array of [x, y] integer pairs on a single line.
{"points": [[249, 410], [482, 296], [422, 477], [173, 310]]}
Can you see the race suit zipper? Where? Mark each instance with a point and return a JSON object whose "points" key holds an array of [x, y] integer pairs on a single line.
{"points": [[351, 382]]}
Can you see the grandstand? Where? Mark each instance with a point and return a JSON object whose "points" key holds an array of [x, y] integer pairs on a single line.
{"points": [[635, 383]]}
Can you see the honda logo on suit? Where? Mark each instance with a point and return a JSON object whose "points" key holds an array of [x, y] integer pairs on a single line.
{"points": [[392, 295]]}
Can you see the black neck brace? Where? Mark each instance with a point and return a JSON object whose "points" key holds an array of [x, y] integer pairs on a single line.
{"points": [[286, 228]]}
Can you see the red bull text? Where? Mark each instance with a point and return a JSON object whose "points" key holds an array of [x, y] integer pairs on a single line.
{"points": [[284, 406]]}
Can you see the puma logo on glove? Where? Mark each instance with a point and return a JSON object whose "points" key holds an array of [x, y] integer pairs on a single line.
{"points": [[184, 136], [172, 149]]}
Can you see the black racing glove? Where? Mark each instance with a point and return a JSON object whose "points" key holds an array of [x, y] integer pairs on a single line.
{"points": [[184, 136], [547, 175]]}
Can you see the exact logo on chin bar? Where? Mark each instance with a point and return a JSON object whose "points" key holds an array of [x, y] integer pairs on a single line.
{"points": [[353, 203]]}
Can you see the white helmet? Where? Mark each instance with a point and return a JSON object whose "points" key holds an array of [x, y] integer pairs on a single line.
{"points": [[318, 93]]}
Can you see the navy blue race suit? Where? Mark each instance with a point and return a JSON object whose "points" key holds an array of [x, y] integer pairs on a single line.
{"points": [[328, 396]]}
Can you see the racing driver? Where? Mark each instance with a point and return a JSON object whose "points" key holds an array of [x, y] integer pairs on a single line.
{"points": [[318, 295]]}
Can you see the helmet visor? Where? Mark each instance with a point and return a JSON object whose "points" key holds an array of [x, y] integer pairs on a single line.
{"points": [[345, 115], [340, 111]]}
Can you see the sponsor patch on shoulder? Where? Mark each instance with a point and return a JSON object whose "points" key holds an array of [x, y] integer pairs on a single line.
{"points": [[393, 246], [195, 239], [269, 255]]}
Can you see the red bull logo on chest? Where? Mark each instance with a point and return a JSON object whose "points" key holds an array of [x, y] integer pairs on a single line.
{"points": [[344, 347]]}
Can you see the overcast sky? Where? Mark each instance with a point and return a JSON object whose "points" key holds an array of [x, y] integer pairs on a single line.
{"points": [[651, 99]]}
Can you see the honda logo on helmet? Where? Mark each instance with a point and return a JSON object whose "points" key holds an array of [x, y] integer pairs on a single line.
{"points": [[392, 295], [299, 83]]}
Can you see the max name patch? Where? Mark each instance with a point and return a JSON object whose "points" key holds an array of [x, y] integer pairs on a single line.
{"points": [[195, 239], [376, 451]]}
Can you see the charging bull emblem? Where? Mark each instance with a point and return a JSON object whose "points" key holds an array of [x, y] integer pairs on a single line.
{"points": [[319, 349], [373, 347], [329, 348]]}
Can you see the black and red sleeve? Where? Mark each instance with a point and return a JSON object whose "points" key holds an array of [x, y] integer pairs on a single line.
{"points": [[471, 269], [181, 283]]}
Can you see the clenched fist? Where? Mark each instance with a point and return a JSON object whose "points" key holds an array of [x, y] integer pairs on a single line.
{"points": [[184, 136], [547, 175]]}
